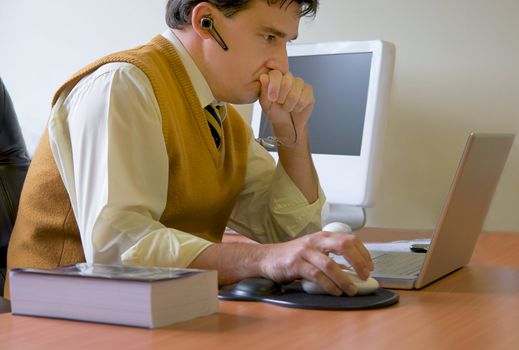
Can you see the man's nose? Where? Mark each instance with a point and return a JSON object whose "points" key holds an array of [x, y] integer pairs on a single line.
{"points": [[279, 60]]}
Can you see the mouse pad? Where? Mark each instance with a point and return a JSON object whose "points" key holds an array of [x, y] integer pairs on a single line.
{"points": [[293, 295]]}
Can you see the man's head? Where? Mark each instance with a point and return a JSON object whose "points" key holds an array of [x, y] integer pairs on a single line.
{"points": [[178, 12], [256, 33]]}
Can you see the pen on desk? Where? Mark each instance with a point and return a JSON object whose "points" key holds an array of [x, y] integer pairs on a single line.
{"points": [[419, 247]]}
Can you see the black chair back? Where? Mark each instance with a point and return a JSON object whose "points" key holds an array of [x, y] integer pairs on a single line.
{"points": [[14, 162]]}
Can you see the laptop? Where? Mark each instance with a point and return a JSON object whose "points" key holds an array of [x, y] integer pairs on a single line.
{"points": [[460, 222]]}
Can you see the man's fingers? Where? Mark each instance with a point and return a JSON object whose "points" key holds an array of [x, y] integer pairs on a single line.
{"points": [[292, 94], [311, 272], [349, 246], [306, 98], [365, 254], [263, 97], [359, 263], [329, 272], [274, 85], [285, 88]]}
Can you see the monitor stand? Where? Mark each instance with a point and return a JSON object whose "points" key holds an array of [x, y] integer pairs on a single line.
{"points": [[353, 216]]}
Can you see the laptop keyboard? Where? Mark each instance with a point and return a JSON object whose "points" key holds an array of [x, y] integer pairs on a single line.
{"points": [[397, 263]]}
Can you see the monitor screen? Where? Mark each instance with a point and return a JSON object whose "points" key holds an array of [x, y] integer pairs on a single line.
{"points": [[351, 82], [340, 83]]}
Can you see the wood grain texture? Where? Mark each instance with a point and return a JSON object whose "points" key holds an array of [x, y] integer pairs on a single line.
{"points": [[476, 307]]}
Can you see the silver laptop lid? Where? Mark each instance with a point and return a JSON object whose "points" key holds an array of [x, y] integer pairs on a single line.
{"points": [[466, 207]]}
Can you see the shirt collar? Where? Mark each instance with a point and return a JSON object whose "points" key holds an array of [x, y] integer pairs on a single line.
{"points": [[200, 85]]}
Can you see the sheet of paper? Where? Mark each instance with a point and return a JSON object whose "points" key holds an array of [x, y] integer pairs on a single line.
{"points": [[395, 246]]}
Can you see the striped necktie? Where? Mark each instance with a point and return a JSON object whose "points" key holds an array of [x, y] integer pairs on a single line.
{"points": [[215, 124]]}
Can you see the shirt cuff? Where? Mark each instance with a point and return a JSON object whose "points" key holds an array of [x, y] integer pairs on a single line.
{"points": [[166, 248]]}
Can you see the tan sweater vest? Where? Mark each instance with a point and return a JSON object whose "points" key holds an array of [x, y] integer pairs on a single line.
{"points": [[204, 183]]}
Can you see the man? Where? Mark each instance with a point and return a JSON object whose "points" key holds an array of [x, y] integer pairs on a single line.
{"points": [[132, 169]]}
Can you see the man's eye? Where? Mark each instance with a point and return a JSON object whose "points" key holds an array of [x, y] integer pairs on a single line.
{"points": [[269, 38]]}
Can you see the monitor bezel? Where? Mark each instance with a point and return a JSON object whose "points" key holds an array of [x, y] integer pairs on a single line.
{"points": [[358, 175]]}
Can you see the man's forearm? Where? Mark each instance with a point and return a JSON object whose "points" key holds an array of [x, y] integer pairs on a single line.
{"points": [[298, 164], [234, 261]]}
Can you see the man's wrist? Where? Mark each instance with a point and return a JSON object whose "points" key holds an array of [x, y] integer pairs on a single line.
{"points": [[264, 260]]}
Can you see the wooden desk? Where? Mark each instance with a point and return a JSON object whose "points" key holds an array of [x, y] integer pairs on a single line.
{"points": [[474, 308]]}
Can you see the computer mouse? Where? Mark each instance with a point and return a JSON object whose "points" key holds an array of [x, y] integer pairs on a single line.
{"points": [[338, 227], [257, 286], [366, 287]]}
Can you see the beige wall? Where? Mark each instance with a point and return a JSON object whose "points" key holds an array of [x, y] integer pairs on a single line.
{"points": [[457, 70]]}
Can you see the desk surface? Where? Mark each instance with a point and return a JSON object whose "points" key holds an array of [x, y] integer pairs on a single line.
{"points": [[476, 307]]}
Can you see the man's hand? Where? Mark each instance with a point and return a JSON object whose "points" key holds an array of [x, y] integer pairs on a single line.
{"points": [[288, 102], [282, 94], [307, 257]]}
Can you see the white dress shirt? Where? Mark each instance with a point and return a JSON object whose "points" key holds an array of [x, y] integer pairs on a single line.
{"points": [[106, 137]]}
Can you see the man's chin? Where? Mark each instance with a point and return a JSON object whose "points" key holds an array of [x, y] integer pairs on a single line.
{"points": [[243, 100], [248, 94], [249, 101], [251, 94]]}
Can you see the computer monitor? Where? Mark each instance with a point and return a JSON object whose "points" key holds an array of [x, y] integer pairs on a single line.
{"points": [[351, 82]]}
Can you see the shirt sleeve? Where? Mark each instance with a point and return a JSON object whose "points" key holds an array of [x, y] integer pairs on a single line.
{"points": [[271, 208], [106, 137]]}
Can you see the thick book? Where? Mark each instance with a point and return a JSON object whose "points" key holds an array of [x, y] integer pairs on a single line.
{"points": [[126, 295]]}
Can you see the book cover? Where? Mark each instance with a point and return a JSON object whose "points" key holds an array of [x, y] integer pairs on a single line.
{"points": [[119, 272]]}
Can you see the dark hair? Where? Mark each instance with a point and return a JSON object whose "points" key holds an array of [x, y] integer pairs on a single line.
{"points": [[178, 12]]}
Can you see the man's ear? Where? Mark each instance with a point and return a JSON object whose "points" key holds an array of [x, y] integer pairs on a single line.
{"points": [[199, 12]]}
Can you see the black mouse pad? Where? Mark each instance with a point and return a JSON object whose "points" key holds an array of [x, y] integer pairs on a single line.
{"points": [[293, 295]]}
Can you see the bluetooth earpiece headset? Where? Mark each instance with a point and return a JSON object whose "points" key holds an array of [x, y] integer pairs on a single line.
{"points": [[207, 24]]}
